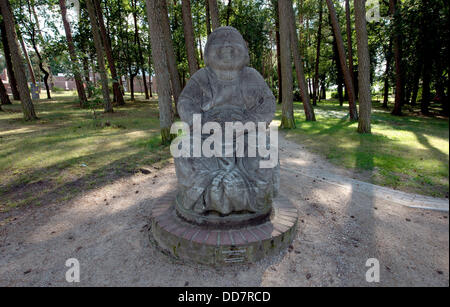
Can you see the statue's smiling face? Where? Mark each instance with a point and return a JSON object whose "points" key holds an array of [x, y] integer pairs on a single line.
{"points": [[227, 52]]}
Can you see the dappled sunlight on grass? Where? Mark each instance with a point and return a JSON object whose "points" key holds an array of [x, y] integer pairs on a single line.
{"points": [[67, 150], [409, 153]]}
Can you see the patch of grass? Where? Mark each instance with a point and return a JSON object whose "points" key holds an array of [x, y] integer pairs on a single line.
{"points": [[66, 152], [409, 153]]}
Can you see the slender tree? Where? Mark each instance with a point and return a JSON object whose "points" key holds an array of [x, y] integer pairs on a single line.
{"points": [[229, 11], [108, 108], [27, 59], [72, 54], [214, 12], [365, 100], [349, 39], [170, 53], [388, 55], [309, 111], [17, 59], [394, 8], [4, 98], [342, 58], [189, 36], [8, 60], [109, 54], [316, 70], [278, 45], [34, 37], [140, 55], [208, 19], [41, 42], [287, 117], [161, 68]]}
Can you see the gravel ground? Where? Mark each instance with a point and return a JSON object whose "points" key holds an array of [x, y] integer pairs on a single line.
{"points": [[343, 222]]}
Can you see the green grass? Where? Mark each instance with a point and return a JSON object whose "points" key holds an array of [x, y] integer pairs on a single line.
{"points": [[409, 153], [67, 152]]}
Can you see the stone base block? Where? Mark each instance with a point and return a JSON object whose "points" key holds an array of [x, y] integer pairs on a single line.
{"points": [[218, 246]]}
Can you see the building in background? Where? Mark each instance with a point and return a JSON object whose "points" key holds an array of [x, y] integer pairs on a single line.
{"points": [[64, 83]]}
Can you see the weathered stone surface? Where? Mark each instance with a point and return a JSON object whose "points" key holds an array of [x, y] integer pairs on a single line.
{"points": [[226, 209], [215, 246], [226, 190]]}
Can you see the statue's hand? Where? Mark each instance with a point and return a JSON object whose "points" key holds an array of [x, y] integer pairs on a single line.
{"points": [[222, 115]]}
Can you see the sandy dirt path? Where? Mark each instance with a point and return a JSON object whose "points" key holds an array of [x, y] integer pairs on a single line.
{"points": [[342, 223]]}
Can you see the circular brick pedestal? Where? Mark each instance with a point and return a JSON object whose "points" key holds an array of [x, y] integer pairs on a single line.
{"points": [[208, 245]]}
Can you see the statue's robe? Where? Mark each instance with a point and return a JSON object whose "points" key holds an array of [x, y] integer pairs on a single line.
{"points": [[234, 184]]}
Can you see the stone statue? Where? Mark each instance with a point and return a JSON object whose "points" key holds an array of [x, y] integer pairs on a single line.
{"points": [[226, 190]]}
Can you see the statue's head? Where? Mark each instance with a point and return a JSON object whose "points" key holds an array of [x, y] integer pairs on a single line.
{"points": [[226, 50]]}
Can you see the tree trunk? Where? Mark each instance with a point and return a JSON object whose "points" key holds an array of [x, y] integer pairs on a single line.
{"points": [[287, 117], [365, 99], [109, 54], [189, 36], [27, 59], [161, 68], [309, 111], [208, 18], [316, 71], [132, 86], [277, 39], [170, 53], [108, 108], [394, 8], [339, 76], [141, 57], [349, 40], [229, 10], [300, 21], [41, 42], [4, 98], [32, 32], [150, 75], [386, 75], [9, 65], [214, 11], [342, 58], [72, 54], [87, 79], [426, 79], [41, 65], [17, 61]]}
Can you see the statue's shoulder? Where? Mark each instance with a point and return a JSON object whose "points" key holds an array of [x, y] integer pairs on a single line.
{"points": [[201, 76]]}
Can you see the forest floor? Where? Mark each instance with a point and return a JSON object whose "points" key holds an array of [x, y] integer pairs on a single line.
{"points": [[69, 150], [92, 194], [408, 153]]}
